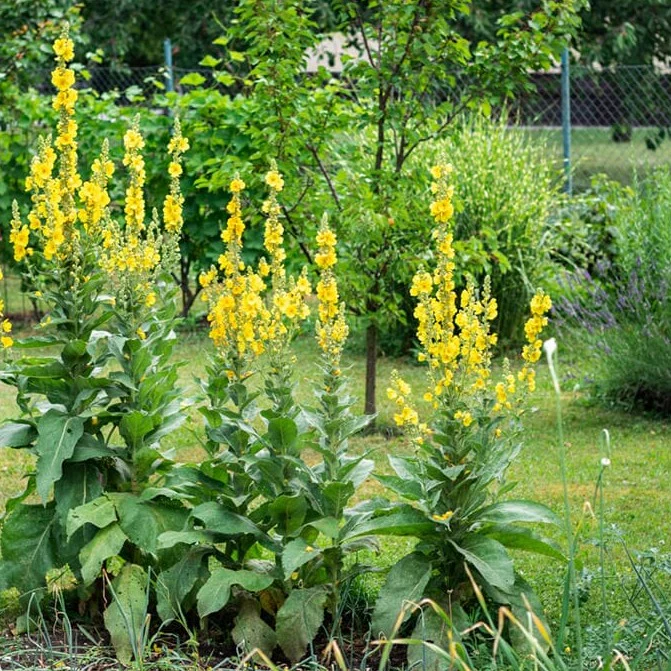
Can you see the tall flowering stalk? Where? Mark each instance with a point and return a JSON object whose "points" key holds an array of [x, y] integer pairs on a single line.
{"points": [[286, 301], [455, 333], [332, 329], [107, 384], [465, 448], [239, 318], [254, 311]]}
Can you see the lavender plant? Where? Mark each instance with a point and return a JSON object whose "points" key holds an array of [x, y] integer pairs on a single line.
{"points": [[620, 309]]}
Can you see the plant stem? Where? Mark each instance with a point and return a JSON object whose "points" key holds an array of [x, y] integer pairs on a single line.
{"points": [[571, 583]]}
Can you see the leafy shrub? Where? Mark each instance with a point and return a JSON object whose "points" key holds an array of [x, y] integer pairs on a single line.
{"points": [[622, 308], [583, 227]]}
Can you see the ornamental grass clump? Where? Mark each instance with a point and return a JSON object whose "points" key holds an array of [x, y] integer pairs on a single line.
{"points": [[96, 405], [455, 481]]}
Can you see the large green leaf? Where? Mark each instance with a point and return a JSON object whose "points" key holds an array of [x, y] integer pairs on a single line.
{"points": [[58, 434], [144, 521], [173, 585], [283, 434], [490, 558], [299, 619], [29, 547], [335, 496], [410, 490], [288, 512], [509, 512], [405, 583], [13, 434], [134, 427], [107, 543], [100, 512], [250, 631], [169, 539], [80, 484], [222, 521], [520, 538], [125, 617], [402, 521], [296, 553], [216, 592]]}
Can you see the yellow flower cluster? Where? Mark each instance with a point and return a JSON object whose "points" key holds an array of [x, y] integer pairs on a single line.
{"points": [[332, 329], [173, 204], [54, 212], [541, 304], [454, 335], [454, 331], [63, 78], [287, 299], [238, 316], [248, 318], [129, 253], [93, 194], [6, 339], [406, 415]]}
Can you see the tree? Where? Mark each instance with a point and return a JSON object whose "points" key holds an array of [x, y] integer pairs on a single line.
{"points": [[627, 32], [414, 77], [406, 88]]}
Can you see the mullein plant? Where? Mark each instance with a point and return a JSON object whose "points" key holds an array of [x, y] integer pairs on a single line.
{"points": [[96, 407], [256, 495], [241, 491], [455, 482]]}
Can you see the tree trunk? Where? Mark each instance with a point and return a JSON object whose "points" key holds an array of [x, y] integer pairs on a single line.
{"points": [[371, 371]]}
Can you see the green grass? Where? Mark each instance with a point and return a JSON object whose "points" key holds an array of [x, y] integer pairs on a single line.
{"points": [[637, 494], [593, 151]]}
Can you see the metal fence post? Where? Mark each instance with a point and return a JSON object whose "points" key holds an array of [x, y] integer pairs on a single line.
{"points": [[566, 117], [167, 56]]}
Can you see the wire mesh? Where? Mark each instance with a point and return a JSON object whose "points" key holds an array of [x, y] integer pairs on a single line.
{"points": [[620, 120], [620, 117]]}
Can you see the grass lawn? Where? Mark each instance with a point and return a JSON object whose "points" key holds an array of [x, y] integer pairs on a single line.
{"points": [[637, 495], [593, 151]]}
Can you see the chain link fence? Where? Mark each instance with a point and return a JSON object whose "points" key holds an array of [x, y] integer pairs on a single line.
{"points": [[620, 118], [619, 124]]}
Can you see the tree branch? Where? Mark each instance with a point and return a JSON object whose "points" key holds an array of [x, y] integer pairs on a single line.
{"points": [[327, 177]]}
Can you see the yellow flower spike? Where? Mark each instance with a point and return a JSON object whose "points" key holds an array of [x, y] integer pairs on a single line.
{"points": [[332, 329], [174, 202]]}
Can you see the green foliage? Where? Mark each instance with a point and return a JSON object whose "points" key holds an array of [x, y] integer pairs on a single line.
{"points": [[401, 92], [460, 522], [626, 32], [583, 229], [126, 617], [256, 494], [620, 308]]}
